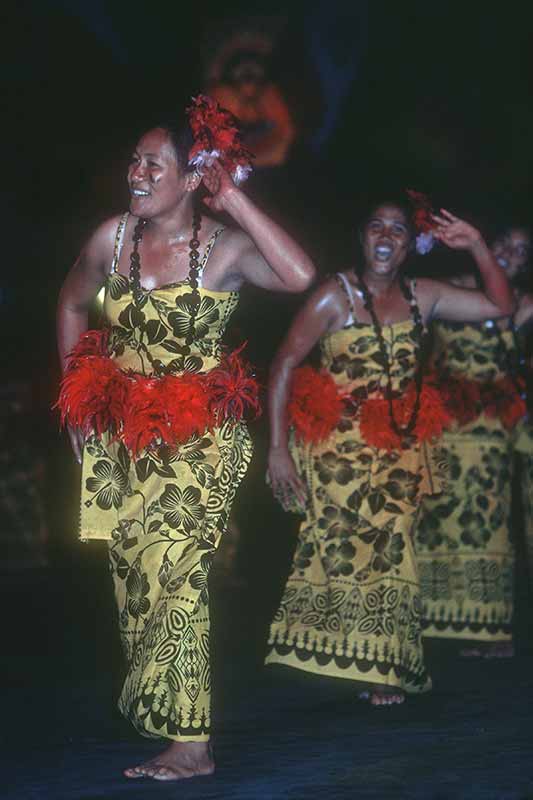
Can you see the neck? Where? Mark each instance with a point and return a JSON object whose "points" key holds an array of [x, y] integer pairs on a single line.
{"points": [[174, 226], [379, 284]]}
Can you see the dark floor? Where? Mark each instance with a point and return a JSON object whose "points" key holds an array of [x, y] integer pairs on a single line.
{"points": [[279, 733]]}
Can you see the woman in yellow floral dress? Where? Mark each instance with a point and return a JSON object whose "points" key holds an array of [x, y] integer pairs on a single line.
{"points": [[162, 505], [464, 543], [351, 605]]}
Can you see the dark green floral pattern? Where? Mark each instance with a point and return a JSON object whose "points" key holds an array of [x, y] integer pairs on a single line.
{"points": [[351, 606], [463, 542], [163, 515]]}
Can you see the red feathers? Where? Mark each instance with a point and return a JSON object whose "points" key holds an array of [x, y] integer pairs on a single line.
{"points": [[146, 412], [92, 395], [462, 398], [422, 213], [432, 417], [233, 391], [467, 399], [216, 130], [374, 423], [502, 399], [315, 406]]}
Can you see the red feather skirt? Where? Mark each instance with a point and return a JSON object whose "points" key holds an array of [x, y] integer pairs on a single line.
{"points": [[145, 412], [317, 404]]}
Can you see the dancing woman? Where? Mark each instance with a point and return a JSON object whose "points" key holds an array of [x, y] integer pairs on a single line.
{"points": [[351, 606], [154, 408], [464, 543]]}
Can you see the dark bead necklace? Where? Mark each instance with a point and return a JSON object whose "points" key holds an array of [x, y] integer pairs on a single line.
{"points": [[402, 431], [139, 295]]}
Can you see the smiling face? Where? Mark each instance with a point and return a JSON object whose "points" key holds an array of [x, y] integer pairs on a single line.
{"points": [[157, 183], [512, 250], [386, 240]]}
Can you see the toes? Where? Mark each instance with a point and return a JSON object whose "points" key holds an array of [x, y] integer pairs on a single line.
{"points": [[165, 774], [134, 772]]}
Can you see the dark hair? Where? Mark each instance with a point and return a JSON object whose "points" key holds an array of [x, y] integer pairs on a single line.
{"points": [[392, 200], [181, 138], [523, 279]]}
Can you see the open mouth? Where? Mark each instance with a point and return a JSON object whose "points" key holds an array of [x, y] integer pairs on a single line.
{"points": [[140, 193], [383, 252]]}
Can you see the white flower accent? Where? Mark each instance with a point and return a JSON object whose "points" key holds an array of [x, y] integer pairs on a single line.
{"points": [[424, 243], [241, 173], [205, 158]]}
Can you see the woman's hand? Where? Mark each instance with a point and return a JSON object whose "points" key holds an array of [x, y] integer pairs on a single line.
{"points": [[220, 185], [77, 441], [284, 479], [456, 233]]}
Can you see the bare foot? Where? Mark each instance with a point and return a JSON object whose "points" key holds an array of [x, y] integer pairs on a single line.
{"points": [[180, 760], [470, 652], [500, 650], [382, 696], [486, 650]]}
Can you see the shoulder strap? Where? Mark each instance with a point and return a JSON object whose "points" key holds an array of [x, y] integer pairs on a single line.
{"points": [[207, 252], [346, 287], [119, 240]]}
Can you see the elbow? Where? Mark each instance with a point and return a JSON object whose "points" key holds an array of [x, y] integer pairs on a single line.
{"points": [[509, 306], [303, 278]]}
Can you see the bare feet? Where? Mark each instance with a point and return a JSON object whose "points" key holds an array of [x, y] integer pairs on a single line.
{"points": [[486, 650], [500, 650], [378, 695], [180, 760]]}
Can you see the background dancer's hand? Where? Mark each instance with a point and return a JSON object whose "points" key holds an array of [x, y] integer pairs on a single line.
{"points": [[286, 485], [456, 233], [77, 440], [220, 185]]}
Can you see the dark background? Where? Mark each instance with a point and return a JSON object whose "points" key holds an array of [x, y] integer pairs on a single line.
{"points": [[386, 95]]}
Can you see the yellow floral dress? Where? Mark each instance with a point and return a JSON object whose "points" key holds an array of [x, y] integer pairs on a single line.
{"points": [[163, 514], [351, 605], [464, 547]]}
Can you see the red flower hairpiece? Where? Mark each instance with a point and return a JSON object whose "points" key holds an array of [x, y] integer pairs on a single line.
{"points": [[423, 220], [217, 136]]}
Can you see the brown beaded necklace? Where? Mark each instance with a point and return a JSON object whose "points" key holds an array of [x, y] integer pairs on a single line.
{"points": [[368, 303], [139, 296]]}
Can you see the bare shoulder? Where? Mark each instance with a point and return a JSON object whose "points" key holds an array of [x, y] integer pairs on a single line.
{"points": [[329, 299], [101, 242]]}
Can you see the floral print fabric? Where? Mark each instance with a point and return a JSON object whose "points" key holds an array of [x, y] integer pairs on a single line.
{"points": [[351, 606], [464, 546], [163, 514]]}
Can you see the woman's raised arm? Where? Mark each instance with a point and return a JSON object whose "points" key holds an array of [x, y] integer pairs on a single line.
{"points": [[268, 256], [459, 304]]}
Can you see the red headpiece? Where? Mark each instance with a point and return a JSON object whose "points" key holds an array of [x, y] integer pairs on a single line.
{"points": [[217, 136]]}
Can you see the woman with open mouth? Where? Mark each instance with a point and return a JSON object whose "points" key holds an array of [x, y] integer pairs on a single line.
{"points": [[464, 542], [352, 450]]}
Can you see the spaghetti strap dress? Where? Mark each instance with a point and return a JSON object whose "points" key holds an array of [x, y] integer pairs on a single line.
{"points": [[351, 605], [164, 512]]}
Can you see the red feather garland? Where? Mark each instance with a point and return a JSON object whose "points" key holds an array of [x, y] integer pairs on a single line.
{"points": [[467, 399], [502, 399], [315, 406], [92, 395], [233, 391], [97, 396]]}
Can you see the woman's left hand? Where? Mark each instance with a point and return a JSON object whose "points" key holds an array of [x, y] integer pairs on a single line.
{"points": [[455, 232], [220, 185]]}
